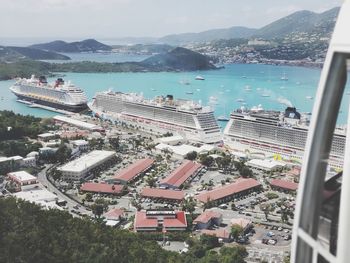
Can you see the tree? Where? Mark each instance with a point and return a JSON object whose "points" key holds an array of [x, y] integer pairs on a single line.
{"points": [[246, 172], [189, 205], [56, 174], [191, 156], [88, 197], [151, 181], [99, 207], [266, 208], [206, 160], [115, 143], [63, 153], [236, 231]]}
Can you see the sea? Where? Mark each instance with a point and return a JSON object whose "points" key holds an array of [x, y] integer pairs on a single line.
{"points": [[226, 89]]}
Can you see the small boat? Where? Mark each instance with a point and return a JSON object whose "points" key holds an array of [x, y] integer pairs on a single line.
{"points": [[258, 89], [309, 97], [247, 88], [199, 78], [284, 77], [282, 87], [213, 98], [240, 100], [265, 95], [153, 89], [189, 92], [198, 89], [184, 82], [222, 118], [228, 90], [244, 77]]}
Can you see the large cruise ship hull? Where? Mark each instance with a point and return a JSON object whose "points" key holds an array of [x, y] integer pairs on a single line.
{"points": [[72, 108]]}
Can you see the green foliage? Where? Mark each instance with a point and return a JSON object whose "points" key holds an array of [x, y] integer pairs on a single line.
{"points": [[15, 126], [63, 153], [18, 147], [29, 234], [99, 207], [191, 156], [271, 195], [206, 160], [236, 230]]}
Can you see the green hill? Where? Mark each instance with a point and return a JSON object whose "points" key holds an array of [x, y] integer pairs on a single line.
{"points": [[10, 54], [88, 45]]}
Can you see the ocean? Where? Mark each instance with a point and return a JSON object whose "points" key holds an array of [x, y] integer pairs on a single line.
{"points": [[235, 86]]}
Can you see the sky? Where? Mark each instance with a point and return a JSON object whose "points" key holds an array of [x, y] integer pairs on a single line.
{"points": [[77, 19]]}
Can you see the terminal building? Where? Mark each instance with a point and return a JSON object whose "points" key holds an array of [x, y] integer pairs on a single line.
{"points": [[84, 166], [181, 174]]}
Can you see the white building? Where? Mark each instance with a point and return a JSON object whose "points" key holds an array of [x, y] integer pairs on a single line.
{"points": [[42, 197], [77, 123], [23, 180], [82, 145], [267, 165], [180, 151], [29, 162], [81, 167], [172, 140]]}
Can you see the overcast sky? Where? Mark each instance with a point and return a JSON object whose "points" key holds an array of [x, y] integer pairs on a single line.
{"points": [[140, 18]]}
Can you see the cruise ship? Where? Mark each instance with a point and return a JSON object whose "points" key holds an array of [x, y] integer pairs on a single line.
{"points": [[59, 95], [275, 132], [159, 115]]}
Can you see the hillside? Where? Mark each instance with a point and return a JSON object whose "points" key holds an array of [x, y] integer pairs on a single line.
{"points": [[29, 234], [298, 22], [210, 35], [179, 59], [88, 45], [144, 49], [10, 54]]}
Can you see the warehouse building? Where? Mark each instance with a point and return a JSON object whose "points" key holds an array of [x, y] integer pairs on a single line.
{"points": [[164, 194]]}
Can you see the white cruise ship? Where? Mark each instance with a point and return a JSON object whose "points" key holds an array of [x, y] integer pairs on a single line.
{"points": [[274, 132], [59, 95], [161, 114]]}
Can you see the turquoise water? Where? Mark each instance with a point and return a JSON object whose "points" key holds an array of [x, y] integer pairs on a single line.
{"points": [[226, 84], [101, 57]]}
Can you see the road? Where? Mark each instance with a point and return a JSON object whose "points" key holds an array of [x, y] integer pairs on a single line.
{"points": [[50, 187]]}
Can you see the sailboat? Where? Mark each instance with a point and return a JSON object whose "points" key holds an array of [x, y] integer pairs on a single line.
{"points": [[223, 117], [284, 77]]}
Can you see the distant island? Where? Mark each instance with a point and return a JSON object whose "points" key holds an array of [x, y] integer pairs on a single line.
{"points": [[14, 54], [177, 59], [87, 45]]}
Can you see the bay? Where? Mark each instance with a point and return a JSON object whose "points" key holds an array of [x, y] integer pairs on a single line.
{"points": [[229, 88]]}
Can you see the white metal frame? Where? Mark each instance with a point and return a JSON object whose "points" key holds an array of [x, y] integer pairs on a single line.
{"points": [[305, 247]]}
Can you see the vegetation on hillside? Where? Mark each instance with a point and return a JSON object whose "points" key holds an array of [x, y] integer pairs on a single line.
{"points": [[29, 234]]}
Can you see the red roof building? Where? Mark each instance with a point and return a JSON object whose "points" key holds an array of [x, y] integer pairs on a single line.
{"points": [[153, 220], [170, 195], [133, 171], [219, 233], [207, 218], [114, 214], [102, 188], [181, 174], [283, 185], [227, 192]]}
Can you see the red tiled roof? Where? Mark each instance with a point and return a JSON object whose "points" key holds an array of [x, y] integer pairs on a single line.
{"points": [[163, 193], [179, 221], [234, 188], [133, 170], [114, 213], [288, 185], [206, 216], [102, 188], [219, 233], [181, 173], [141, 221]]}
